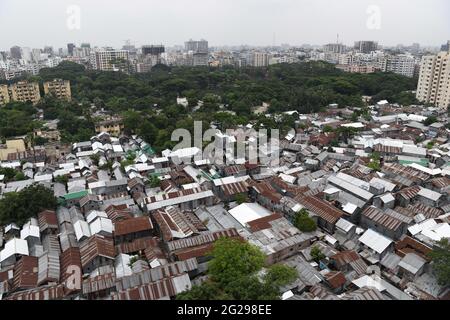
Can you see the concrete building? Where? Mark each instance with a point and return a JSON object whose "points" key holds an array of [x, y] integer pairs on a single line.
{"points": [[70, 48], [401, 64], [260, 59], [199, 51], [109, 60], [16, 53], [113, 126], [196, 46], [434, 80], [334, 47], [366, 46], [59, 88], [4, 95], [25, 91]]}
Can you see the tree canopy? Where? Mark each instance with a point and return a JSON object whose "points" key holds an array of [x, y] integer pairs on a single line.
{"points": [[148, 100], [440, 257], [304, 222], [18, 207], [235, 274]]}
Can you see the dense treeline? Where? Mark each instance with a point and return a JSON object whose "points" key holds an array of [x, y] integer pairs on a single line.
{"points": [[148, 101], [304, 87]]}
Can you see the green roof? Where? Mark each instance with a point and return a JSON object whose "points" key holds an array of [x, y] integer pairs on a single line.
{"points": [[75, 195], [148, 150], [422, 162]]}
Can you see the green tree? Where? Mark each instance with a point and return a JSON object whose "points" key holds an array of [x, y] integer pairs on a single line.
{"points": [[234, 275], [18, 207], [430, 120], [440, 257], [280, 275], [241, 198], [317, 254], [304, 222], [62, 179], [234, 259], [154, 181]]}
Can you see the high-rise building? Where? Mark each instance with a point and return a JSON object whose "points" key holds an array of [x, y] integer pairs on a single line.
{"points": [[401, 64], [70, 47], [366, 46], [16, 53], [25, 91], [199, 51], [446, 47], [260, 59], [334, 47], [48, 50], [153, 50], [434, 80], [58, 88], [110, 60], [196, 46], [4, 94]]}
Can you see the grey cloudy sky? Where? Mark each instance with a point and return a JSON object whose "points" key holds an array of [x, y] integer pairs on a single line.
{"points": [[35, 23]]}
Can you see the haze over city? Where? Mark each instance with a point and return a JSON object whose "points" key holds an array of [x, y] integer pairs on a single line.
{"points": [[233, 22]]}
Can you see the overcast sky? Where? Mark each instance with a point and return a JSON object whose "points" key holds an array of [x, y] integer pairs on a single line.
{"points": [[35, 23]]}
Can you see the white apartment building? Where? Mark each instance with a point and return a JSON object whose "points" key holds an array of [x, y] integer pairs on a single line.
{"points": [[108, 60], [401, 64], [260, 59], [434, 80]]}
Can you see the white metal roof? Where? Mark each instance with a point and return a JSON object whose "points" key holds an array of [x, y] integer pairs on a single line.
{"points": [[429, 194], [161, 203], [12, 247], [247, 212], [344, 185], [101, 225], [117, 148], [375, 241], [94, 214], [349, 207], [287, 178], [185, 153], [228, 180], [29, 230], [81, 228], [344, 225], [388, 186], [412, 149], [122, 265], [419, 227]]}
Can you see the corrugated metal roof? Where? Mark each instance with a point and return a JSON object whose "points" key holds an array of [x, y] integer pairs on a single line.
{"points": [[162, 289], [381, 218], [156, 274], [375, 241], [49, 268], [96, 246]]}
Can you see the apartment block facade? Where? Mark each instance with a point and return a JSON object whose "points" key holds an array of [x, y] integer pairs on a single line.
{"points": [[24, 91], [4, 95], [109, 60], [59, 88], [434, 80]]}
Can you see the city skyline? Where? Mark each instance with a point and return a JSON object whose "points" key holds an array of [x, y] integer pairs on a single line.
{"points": [[232, 23]]}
